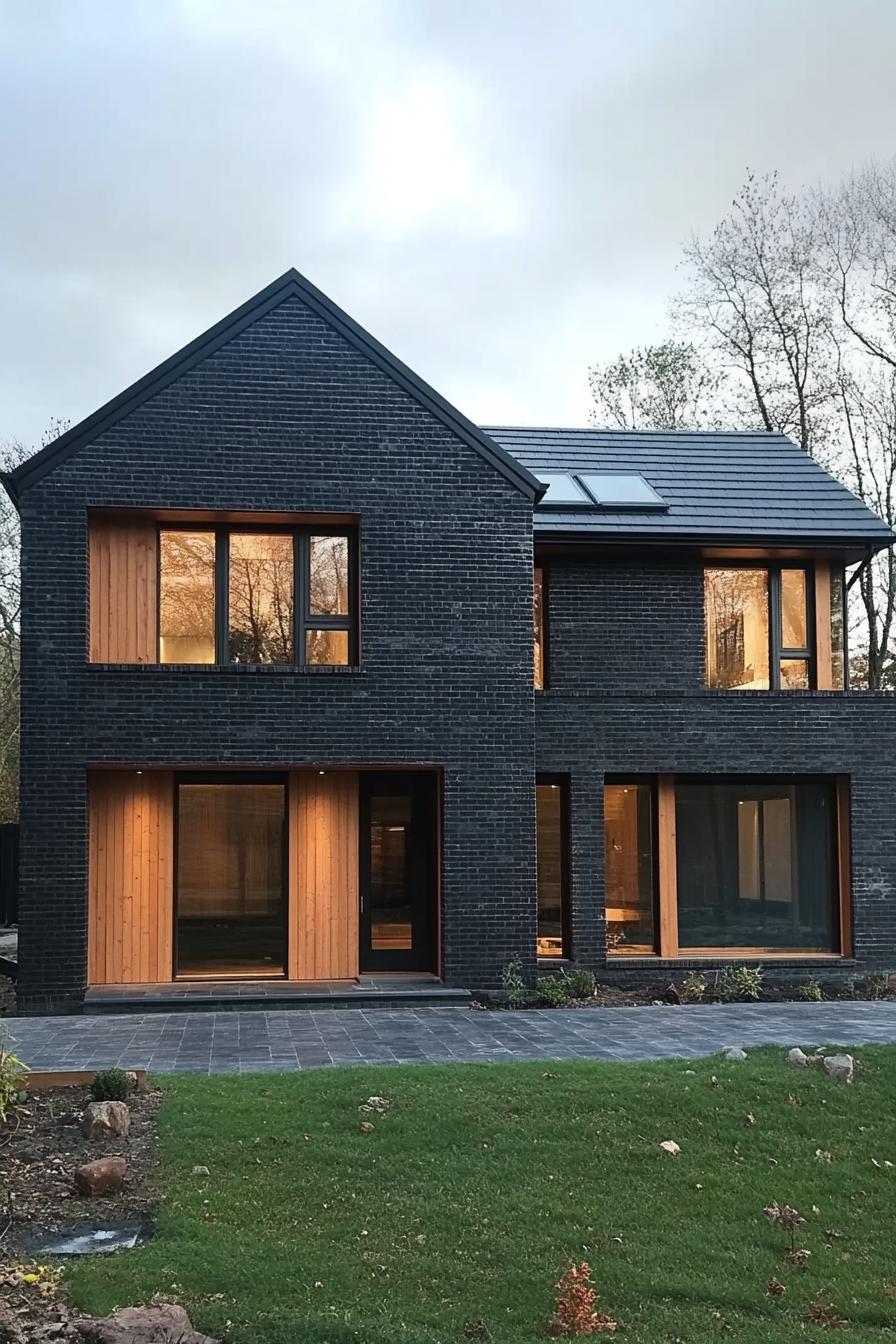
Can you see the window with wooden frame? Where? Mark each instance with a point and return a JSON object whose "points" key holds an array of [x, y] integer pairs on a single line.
{"points": [[727, 866], [540, 628], [239, 593], [552, 860], [775, 626]]}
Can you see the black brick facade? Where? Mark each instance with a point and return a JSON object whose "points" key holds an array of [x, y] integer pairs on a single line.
{"points": [[290, 417], [626, 697]]}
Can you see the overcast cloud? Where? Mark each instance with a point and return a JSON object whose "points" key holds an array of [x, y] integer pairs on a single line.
{"points": [[497, 189]]}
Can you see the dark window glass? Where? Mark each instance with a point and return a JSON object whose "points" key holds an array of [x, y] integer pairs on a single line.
{"points": [[755, 866], [550, 842], [230, 879], [328, 579], [737, 629], [538, 620], [186, 597], [391, 922], [629, 868], [261, 598]]}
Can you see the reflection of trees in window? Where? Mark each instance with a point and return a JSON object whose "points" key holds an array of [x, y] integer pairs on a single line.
{"points": [[261, 598], [737, 613], [187, 597], [538, 622], [328, 580]]}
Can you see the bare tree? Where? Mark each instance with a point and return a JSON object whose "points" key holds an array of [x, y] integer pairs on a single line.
{"points": [[753, 297], [11, 454], [789, 310], [665, 386]]}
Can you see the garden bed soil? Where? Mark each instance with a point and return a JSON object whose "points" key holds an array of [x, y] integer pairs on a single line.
{"points": [[40, 1148]]}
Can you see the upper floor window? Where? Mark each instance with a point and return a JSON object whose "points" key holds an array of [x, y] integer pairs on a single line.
{"points": [[246, 595], [539, 632], [774, 627], [203, 591]]}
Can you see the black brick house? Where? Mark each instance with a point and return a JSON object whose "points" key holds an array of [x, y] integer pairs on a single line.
{"points": [[279, 719]]}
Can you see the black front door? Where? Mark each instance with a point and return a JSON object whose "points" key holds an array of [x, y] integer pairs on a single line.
{"points": [[398, 840]]}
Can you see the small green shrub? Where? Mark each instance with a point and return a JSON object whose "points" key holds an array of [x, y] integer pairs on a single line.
{"points": [[12, 1073], [737, 983], [580, 982], [812, 991], [694, 988], [110, 1085], [513, 984], [551, 990]]}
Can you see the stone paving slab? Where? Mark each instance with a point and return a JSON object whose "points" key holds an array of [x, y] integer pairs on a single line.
{"points": [[258, 1041]]}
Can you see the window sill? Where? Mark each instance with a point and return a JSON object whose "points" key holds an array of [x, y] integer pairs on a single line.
{"points": [[722, 958], [232, 669]]}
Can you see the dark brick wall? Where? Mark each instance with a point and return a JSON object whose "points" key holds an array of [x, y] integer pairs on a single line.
{"points": [[288, 416], [626, 696]]}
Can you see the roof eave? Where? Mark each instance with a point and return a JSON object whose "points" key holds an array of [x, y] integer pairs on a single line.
{"points": [[857, 547]]}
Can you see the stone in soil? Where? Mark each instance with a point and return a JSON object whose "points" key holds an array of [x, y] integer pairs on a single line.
{"points": [[105, 1176], [106, 1120]]}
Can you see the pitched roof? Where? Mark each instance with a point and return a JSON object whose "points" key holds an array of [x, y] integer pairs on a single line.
{"points": [[750, 487], [289, 284]]}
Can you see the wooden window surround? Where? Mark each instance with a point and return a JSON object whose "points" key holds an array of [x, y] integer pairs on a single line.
{"points": [[212, 619], [775, 624], [540, 622], [661, 911]]}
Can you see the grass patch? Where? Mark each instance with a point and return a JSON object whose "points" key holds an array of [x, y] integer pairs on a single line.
{"points": [[454, 1217]]}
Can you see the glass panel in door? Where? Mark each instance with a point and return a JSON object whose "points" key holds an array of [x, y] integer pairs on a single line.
{"points": [[391, 922], [397, 872], [230, 879]]}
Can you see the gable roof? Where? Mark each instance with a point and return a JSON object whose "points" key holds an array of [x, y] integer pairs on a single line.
{"points": [[289, 284], [747, 487]]}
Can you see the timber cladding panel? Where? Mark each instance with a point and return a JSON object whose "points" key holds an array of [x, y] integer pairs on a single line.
{"points": [[131, 867], [123, 590], [323, 875]]}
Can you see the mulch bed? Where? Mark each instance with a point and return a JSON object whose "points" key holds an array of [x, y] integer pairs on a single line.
{"points": [[40, 1148]]}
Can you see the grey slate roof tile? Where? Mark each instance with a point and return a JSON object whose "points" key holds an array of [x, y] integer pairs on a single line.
{"points": [[751, 486]]}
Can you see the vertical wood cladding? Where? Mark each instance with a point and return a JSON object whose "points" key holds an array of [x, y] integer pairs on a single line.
{"points": [[130, 886], [323, 875], [123, 590]]}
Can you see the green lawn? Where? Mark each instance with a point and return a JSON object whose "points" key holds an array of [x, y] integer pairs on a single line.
{"points": [[474, 1192]]}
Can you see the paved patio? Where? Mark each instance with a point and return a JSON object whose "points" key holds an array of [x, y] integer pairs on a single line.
{"points": [[247, 1042]]}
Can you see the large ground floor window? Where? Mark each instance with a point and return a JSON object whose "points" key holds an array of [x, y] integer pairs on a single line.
{"points": [[551, 842], [726, 866]]}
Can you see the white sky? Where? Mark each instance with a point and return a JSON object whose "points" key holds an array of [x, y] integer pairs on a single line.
{"points": [[497, 189]]}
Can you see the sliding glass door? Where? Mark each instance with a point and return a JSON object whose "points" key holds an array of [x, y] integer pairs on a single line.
{"points": [[231, 876]]}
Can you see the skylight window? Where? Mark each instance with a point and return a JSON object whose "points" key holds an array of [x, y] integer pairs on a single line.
{"points": [[563, 490], [621, 490]]}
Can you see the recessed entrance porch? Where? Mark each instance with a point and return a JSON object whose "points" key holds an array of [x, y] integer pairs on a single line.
{"points": [[297, 878]]}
